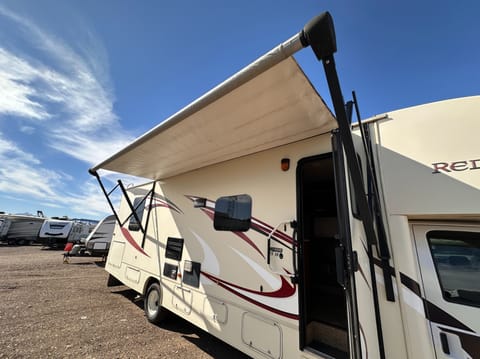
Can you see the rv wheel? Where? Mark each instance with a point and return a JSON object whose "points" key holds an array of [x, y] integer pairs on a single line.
{"points": [[152, 304]]}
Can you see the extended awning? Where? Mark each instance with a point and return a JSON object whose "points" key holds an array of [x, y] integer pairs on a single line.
{"points": [[269, 103]]}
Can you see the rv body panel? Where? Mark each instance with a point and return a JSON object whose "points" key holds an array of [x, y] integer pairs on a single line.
{"points": [[235, 294], [428, 161], [222, 281], [449, 258], [423, 175]]}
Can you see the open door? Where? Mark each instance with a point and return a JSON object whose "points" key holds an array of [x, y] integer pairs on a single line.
{"points": [[449, 259], [323, 303]]}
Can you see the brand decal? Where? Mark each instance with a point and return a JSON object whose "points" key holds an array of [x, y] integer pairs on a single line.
{"points": [[457, 166]]}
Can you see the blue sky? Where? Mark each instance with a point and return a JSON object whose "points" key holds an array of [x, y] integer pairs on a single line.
{"points": [[79, 79]]}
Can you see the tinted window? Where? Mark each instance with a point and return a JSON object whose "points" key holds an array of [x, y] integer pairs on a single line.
{"points": [[139, 204], [233, 213], [457, 260]]}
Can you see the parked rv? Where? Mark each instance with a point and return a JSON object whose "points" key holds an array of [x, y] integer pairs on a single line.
{"points": [[96, 244], [277, 227], [56, 232], [20, 229], [4, 226]]}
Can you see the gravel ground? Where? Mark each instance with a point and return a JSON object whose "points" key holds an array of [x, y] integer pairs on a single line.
{"points": [[53, 310]]}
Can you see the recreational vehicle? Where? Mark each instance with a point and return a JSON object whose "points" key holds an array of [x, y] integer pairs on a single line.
{"points": [[4, 226], [21, 229], [288, 232], [96, 244], [98, 241], [56, 232]]}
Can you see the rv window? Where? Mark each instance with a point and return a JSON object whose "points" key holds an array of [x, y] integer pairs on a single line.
{"points": [[139, 204], [233, 213], [457, 260]]}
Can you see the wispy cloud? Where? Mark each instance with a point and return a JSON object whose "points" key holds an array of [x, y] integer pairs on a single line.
{"points": [[66, 96], [67, 91], [29, 130], [17, 91], [21, 173]]}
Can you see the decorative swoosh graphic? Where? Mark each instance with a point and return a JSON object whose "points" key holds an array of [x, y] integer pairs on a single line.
{"points": [[256, 225], [161, 201], [158, 201], [279, 301], [130, 240]]}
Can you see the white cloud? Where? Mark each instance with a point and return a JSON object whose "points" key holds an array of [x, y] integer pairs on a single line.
{"points": [[91, 201], [16, 92], [10, 152], [21, 173], [29, 130], [67, 92]]}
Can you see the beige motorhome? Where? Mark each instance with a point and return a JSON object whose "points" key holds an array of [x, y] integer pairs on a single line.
{"points": [[277, 227]]}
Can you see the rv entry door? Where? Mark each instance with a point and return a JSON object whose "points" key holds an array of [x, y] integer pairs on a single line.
{"points": [[324, 308], [449, 259]]}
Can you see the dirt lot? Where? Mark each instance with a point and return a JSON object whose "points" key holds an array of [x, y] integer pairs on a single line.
{"points": [[53, 310]]}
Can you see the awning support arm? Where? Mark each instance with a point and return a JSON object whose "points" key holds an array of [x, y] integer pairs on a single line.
{"points": [[130, 205], [107, 195], [152, 194]]}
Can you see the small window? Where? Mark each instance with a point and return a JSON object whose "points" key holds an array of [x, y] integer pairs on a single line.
{"points": [[174, 248], [139, 205], [233, 213], [457, 260]]}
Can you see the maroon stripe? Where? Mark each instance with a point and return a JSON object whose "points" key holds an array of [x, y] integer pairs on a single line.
{"points": [[130, 240], [282, 290]]}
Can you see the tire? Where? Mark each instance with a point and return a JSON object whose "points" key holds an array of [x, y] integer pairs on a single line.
{"points": [[152, 304]]}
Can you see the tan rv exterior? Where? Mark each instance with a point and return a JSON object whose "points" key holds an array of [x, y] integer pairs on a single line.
{"points": [[250, 228]]}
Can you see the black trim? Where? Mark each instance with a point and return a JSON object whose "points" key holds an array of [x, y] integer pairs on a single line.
{"points": [[411, 284], [388, 269], [433, 312], [438, 315], [470, 343], [343, 214]]}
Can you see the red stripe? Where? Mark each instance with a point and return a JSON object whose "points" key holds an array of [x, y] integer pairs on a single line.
{"points": [[130, 240], [285, 291]]}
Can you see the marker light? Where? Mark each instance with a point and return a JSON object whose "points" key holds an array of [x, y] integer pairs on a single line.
{"points": [[285, 164]]}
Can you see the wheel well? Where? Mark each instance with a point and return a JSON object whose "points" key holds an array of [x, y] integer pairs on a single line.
{"points": [[148, 282]]}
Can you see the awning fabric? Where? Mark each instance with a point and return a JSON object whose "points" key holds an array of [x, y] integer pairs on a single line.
{"points": [[275, 107]]}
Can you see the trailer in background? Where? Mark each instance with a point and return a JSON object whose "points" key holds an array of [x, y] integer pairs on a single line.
{"points": [[96, 244], [56, 232]]}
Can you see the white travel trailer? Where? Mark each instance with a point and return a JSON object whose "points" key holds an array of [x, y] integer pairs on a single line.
{"points": [[56, 232], [20, 228], [274, 226], [96, 244], [98, 241], [4, 226]]}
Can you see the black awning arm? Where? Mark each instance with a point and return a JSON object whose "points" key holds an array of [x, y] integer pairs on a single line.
{"points": [[107, 194], [320, 35]]}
